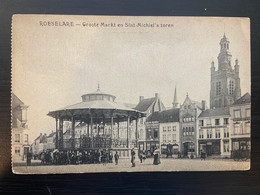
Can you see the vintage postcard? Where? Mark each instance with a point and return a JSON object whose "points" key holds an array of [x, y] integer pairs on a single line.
{"points": [[130, 94]]}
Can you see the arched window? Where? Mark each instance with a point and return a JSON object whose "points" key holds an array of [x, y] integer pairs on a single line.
{"points": [[218, 88], [231, 87]]}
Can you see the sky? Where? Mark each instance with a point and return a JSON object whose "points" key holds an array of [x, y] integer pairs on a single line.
{"points": [[52, 66]]}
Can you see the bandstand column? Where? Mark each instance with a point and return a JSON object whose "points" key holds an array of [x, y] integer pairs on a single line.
{"points": [[88, 130], [103, 125], [61, 134], [91, 130], [112, 123], [117, 127], [127, 131], [136, 131], [57, 134], [73, 132]]}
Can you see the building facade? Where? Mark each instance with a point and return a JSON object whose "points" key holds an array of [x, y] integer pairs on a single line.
{"points": [[240, 124], [168, 122], [39, 144], [152, 137], [20, 131], [189, 112], [148, 106], [214, 132], [225, 82]]}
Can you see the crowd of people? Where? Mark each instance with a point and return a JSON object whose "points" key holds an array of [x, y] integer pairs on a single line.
{"points": [[61, 157], [64, 157]]}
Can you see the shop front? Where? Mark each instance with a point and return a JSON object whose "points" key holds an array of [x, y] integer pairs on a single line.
{"points": [[189, 149], [170, 150], [241, 148], [151, 147], [210, 147]]}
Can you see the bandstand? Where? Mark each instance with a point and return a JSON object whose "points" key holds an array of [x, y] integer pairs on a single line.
{"points": [[97, 111]]}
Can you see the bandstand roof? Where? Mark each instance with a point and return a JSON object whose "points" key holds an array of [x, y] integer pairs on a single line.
{"points": [[99, 107]]}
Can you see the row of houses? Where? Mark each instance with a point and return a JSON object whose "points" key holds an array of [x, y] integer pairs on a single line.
{"points": [[192, 129]]}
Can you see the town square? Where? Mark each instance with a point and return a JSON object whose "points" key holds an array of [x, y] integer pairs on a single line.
{"points": [[105, 128]]}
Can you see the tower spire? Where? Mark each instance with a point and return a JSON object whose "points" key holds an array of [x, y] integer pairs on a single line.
{"points": [[175, 102]]}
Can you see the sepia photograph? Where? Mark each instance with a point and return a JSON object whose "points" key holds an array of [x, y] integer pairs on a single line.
{"points": [[95, 94]]}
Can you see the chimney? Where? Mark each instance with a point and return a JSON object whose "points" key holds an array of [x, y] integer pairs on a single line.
{"points": [[203, 104], [141, 98], [157, 95]]}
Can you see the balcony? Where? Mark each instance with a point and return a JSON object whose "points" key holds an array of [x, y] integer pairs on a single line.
{"points": [[242, 119]]}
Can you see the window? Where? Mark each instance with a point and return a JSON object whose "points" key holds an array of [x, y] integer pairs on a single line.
{"points": [[226, 132], [218, 88], [192, 130], [164, 129], [209, 133], [226, 146], [17, 138], [174, 137], [141, 133], [226, 121], [217, 134], [164, 138], [169, 128], [169, 137], [173, 128], [236, 145], [26, 138], [216, 121], [92, 97], [184, 131], [24, 114], [237, 113], [99, 97], [156, 133], [201, 136], [248, 114], [247, 128], [231, 87], [17, 150], [201, 123], [149, 134], [236, 129], [189, 131]]}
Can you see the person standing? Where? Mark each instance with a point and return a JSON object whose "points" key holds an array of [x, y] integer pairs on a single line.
{"points": [[141, 156], [116, 158], [156, 159], [133, 157], [29, 158]]}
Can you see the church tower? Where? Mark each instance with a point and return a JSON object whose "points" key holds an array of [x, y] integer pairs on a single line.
{"points": [[225, 82], [175, 102]]}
